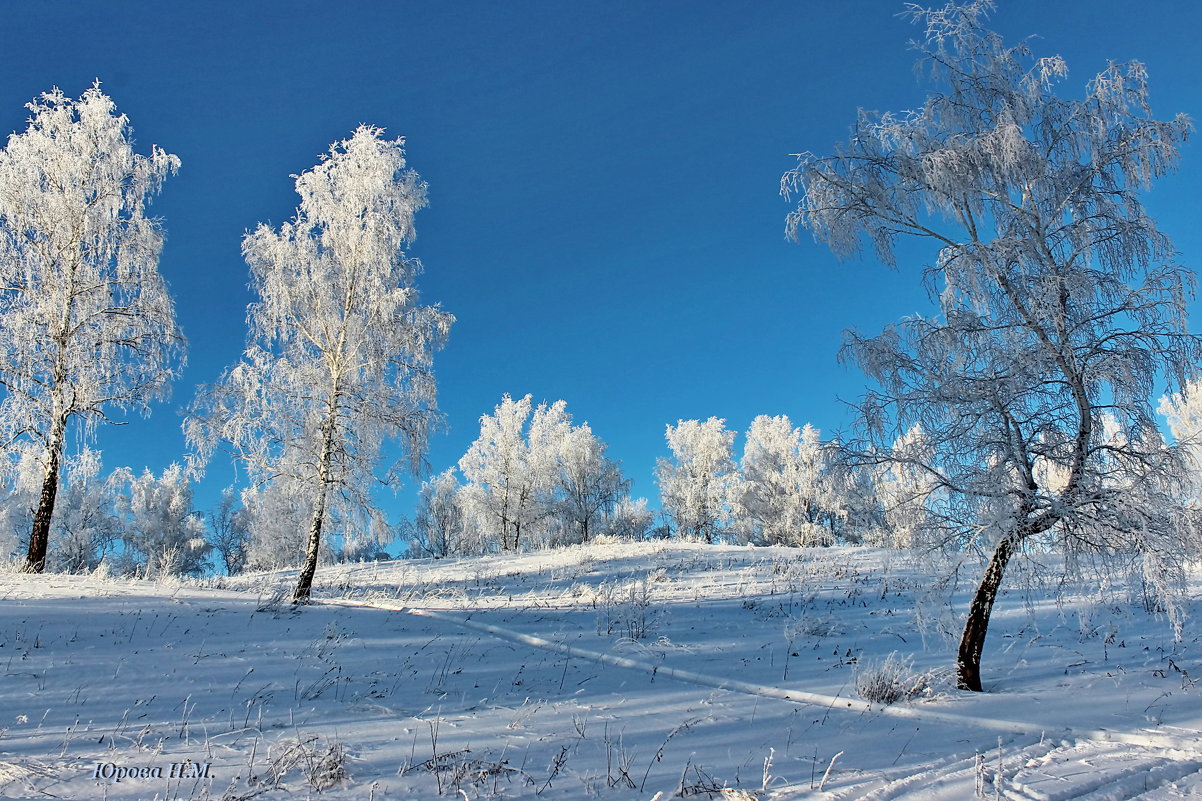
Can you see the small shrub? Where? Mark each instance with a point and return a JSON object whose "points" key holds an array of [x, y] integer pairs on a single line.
{"points": [[891, 681]]}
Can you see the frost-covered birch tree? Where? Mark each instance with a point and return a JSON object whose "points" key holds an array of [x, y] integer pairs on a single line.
{"points": [[341, 352], [511, 471], [230, 536], [440, 525], [630, 519], [162, 533], [786, 495], [589, 485], [503, 487], [536, 479], [698, 485], [87, 327], [1058, 300]]}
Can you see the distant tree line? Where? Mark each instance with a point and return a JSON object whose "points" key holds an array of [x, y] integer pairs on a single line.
{"points": [[534, 480]]}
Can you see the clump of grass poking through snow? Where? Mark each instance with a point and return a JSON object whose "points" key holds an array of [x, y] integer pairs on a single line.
{"points": [[322, 763], [625, 610], [891, 681]]}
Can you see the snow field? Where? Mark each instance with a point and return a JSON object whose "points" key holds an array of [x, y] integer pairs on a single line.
{"points": [[622, 670]]}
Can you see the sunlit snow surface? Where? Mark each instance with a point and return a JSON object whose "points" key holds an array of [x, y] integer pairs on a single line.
{"points": [[516, 677]]}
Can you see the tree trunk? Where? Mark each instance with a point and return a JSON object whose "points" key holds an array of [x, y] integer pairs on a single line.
{"points": [[304, 582], [39, 537], [968, 665]]}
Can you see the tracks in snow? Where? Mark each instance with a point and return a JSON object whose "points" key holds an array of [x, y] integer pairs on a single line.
{"points": [[1082, 770]]}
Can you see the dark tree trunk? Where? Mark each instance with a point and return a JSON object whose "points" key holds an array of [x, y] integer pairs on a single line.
{"points": [[304, 582], [39, 537], [968, 664]]}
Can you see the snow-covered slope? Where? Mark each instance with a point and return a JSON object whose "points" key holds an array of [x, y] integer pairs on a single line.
{"points": [[621, 670]]}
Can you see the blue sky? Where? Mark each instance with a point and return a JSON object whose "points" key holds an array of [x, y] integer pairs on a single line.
{"points": [[604, 218]]}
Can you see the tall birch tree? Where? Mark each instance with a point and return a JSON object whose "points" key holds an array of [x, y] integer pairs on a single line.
{"points": [[1059, 305], [87, 326], [341, 352]]}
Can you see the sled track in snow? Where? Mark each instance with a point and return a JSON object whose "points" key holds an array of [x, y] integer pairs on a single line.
{"points": [[1150, 740], [1082, 770]]}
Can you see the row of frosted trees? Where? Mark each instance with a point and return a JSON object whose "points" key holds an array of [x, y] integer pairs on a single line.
{"points": [[338, 361], [136, 524], [533, 479], [789, 487]]}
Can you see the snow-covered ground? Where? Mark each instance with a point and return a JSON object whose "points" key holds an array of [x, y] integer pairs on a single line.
{"points": [[624, 670]]}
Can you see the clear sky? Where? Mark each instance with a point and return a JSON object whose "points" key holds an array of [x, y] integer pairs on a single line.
{"points": [[604, 215]]}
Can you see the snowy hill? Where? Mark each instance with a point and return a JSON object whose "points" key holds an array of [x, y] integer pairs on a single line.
{"points": [[624, 670]]}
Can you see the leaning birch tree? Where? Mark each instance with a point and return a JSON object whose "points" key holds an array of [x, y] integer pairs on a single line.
{"points": [[1059, 305], [87, 326], [341, 352]]}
